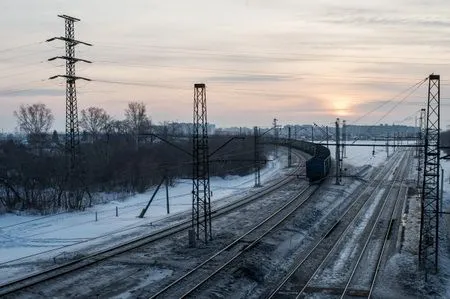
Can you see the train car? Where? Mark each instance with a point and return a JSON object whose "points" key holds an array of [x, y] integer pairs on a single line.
{"points": [[318, 167]]}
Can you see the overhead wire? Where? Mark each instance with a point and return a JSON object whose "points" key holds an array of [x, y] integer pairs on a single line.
{"points": [[20, 46], [265, 76], [292, 56], [402, 100], [384, 103]]}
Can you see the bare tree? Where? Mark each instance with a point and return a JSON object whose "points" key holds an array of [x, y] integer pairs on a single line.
{"points": [[34, 120], [136, 117], [137, 120], [94, 120]]}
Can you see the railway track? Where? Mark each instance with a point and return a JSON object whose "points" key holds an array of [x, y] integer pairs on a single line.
{"points": [[297, 282], [102, 255], [365, 272], [190, 283]]}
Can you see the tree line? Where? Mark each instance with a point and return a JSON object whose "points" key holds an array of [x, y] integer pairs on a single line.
{"points": [[123, 156]]}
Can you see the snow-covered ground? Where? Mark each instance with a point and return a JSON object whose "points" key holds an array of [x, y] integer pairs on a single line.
{"points": [[27, 236], [22, 236], [31, 238], [445, 227]]}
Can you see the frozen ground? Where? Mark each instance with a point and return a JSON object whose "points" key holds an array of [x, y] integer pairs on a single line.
{"points": [[401, 278], [22, 236]]}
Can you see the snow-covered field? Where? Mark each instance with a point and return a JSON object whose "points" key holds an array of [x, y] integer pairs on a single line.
{"points": [[31, 238], [445, 227], [22, 236]]}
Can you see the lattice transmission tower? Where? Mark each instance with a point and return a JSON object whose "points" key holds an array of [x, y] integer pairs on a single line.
{"points": [[201, 194], [429, 225], [72, 138]]}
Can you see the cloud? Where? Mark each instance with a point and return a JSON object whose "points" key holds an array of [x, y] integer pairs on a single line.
{"points": [[387, 21], [32, 92], [249, 78]]}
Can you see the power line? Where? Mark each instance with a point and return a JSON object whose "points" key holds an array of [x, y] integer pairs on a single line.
{"points": [[388, 101], [289, 76], [286, 56], [401, 101], [137, 83], [20, 46]]}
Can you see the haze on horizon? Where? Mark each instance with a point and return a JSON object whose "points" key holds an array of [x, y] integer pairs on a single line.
{"points": [[296, 60]]}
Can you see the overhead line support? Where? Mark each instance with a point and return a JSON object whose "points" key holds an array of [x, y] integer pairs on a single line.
{"points": [[201, 194], [72, 138], [429, 225]]}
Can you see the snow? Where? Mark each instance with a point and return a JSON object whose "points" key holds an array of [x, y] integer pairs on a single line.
{"points": [[27, 239], [445, 231], [364, 155], [28, 236], [156, 274]]}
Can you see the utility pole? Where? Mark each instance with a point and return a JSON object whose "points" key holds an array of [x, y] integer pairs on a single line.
{"points": [[420, 148], [72, 139], [429, 225], [167, 195], [312, 133], [201, 194], [257, 165], [328, 137], [289, 147], [387, 146], [338, 152], [344, 139], [275, 127], [441, 197], [416, 152]]}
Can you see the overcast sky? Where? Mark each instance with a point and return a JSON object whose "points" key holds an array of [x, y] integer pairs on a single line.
{"points": [[299, 61]]}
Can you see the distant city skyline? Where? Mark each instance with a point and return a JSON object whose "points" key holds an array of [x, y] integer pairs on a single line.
{"points": [[298, 61]]}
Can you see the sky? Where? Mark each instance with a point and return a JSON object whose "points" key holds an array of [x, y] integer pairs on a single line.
{"points": [[294, 60]]}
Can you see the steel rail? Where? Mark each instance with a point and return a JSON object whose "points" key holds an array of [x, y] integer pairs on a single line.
{"points": [[83, 262], [386, 238], [291, 273], [345, 231], [381, 210], [314, 188], [236, 241]]}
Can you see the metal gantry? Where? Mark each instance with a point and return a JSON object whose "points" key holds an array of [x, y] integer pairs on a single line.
{"points": [[201, 195], [257, 164], [338, 154], [344, 139], [289, 147], [276, 135], [420, 149], [429, 225], [72, 138]]}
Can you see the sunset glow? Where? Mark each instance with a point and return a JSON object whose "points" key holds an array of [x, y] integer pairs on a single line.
{"points": [[341, 106], [294, 60]]}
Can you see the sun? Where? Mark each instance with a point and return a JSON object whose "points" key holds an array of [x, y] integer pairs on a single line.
{"points": [[341, 106]]}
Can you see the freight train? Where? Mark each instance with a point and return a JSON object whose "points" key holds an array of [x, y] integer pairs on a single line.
{"points": [[319, 165]]}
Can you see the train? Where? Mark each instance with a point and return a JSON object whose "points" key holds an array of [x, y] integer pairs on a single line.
{"points": [[319, 165]]}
